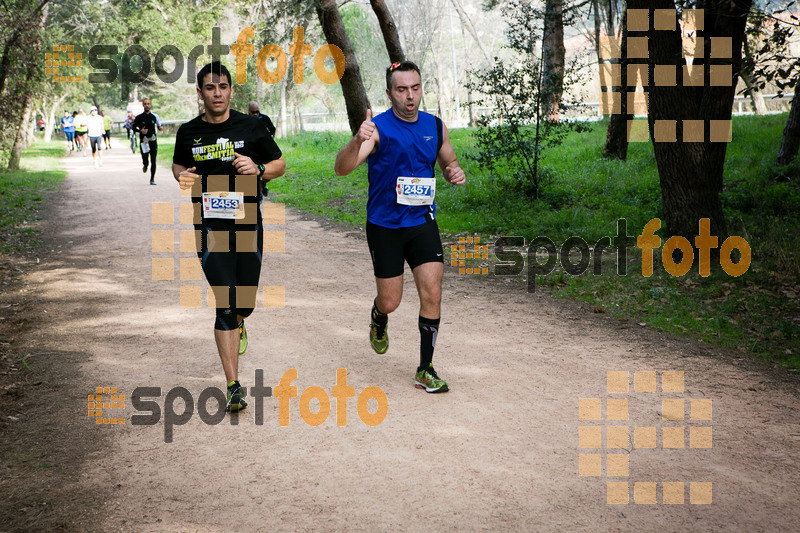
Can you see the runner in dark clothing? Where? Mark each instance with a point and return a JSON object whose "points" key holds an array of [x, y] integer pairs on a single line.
{"points": [[223, 156]]}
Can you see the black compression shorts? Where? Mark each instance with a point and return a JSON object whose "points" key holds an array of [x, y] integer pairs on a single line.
{"points": [[390, 248], [231, 260], [95, 142]]}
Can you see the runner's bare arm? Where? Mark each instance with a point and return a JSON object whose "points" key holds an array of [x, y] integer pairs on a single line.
{"points": [[448, 161], [359, 148], [274, 169]]}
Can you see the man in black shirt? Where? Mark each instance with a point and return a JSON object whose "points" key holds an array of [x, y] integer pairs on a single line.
{"points": [[255, 110], [146, 125], [224, 156]]}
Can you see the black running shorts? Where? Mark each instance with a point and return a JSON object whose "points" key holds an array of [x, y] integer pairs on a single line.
{"points": [[390, 248], [232, 259]]}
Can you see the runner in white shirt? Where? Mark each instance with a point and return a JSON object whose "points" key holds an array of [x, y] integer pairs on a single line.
{"points": [[96, 128]]}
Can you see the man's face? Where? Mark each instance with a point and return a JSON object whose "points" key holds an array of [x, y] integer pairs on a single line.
{"points": [[406, 93], [254, 110], [93, 112], [216, 93], [146, 105]]}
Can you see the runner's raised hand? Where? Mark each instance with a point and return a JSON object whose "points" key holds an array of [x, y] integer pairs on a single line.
{"points": [[367, 128]]}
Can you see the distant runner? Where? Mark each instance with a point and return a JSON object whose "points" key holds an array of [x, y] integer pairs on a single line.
{"points": [[95, 128], [146, 125]]}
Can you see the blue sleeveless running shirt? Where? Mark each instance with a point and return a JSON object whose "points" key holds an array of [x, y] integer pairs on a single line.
{"points": [[405, 149]]}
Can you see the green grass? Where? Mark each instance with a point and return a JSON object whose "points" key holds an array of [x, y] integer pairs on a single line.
{"points": [[22, 193], [310, 183], [166, 147], [584, 196]]}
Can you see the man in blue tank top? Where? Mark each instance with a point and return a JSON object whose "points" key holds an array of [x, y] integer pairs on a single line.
{"points": [[401, 146]]}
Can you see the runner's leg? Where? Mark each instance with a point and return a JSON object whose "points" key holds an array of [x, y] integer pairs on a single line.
{"points": [[153, 152], [219, 266], [390, 292], [144, 159], [428, 278]]}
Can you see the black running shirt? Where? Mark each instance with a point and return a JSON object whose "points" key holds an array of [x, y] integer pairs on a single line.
{"points": [[211, 147]]}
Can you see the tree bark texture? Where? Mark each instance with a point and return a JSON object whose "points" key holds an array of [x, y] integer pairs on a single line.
{"points": [[21, 137], [756, 97], [617, 133], [467, 23], [690, 156], [355, 96], [791, 133], [554, 54]]}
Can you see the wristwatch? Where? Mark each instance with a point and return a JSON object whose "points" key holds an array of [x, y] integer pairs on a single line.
{"points": [[261, 169]]}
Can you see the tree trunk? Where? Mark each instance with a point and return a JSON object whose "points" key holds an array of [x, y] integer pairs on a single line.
{"points": [[22, 133], [437, 78], [617, 133], [49, 125], [791, 133], [467, 70], [284, 126], [355, 96], [554, 52], [755, 95], [466, 22], [30, 130], [389, 31], [690, 172], [51, 117], [298, 117]]}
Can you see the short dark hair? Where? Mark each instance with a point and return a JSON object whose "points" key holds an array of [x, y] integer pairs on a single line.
{"points": [[215, 67], [403, 66]]}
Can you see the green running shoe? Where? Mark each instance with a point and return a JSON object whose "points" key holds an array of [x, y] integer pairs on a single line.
{"points": [[236, 401], [428, 379], [379, 337], [242, 338]]}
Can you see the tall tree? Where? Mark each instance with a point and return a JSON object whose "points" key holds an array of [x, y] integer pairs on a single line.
{"points": [[752, 89], [33, 49], [689, 122], [389, 31], [553, 52], [791, 133], [355, 96], [18, 20], [617, 132], [466, 22]]}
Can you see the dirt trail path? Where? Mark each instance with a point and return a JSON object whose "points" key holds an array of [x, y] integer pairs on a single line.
{"points": [[500, 451]]}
